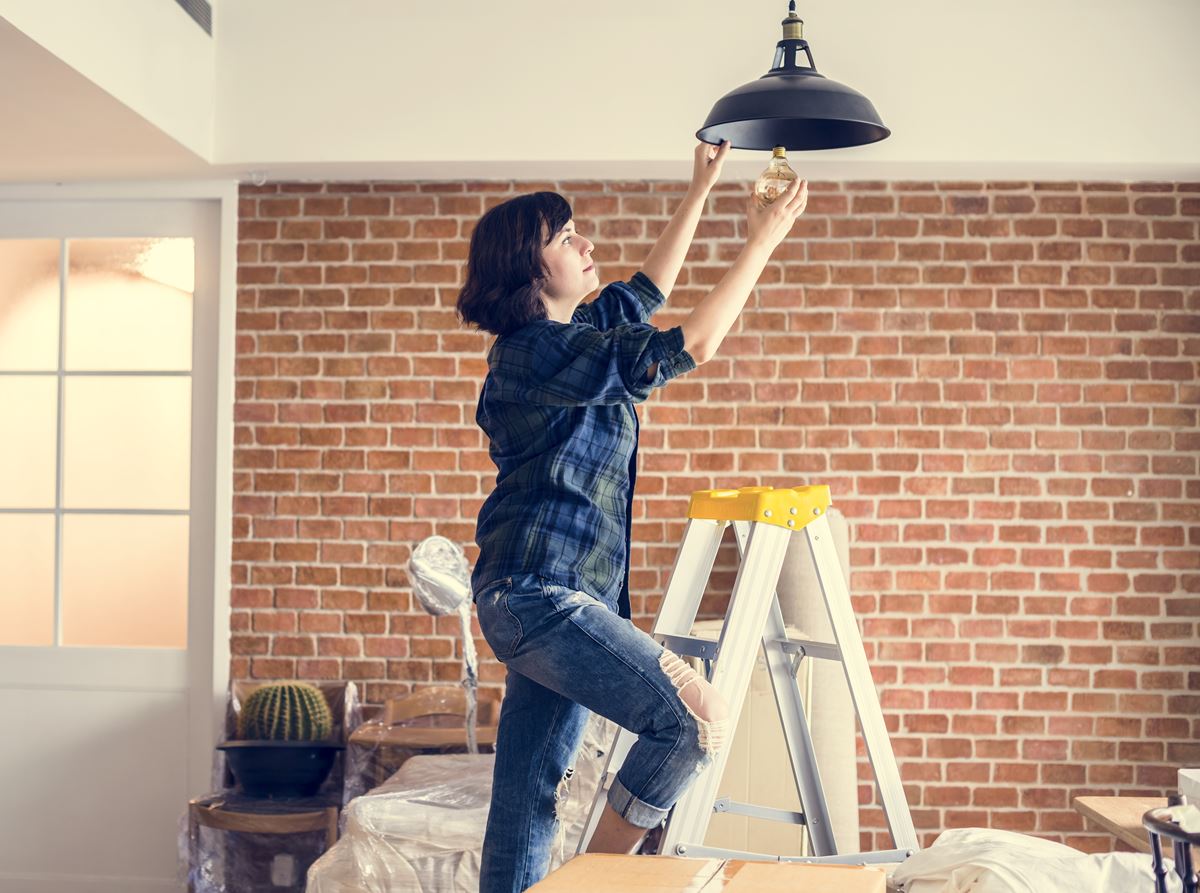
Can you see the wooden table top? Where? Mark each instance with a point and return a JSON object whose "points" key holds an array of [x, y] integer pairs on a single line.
{"points": [[1121, 816]]}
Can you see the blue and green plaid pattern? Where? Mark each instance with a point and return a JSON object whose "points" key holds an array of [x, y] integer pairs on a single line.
{"points": [[557, 405]]}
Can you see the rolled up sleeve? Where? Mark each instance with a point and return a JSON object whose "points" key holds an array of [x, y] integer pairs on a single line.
{"points": [[621, 303]]}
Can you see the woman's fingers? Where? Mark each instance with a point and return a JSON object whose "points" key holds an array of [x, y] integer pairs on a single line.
{"points": [[713, 154], [784, 205], [797, 196]]}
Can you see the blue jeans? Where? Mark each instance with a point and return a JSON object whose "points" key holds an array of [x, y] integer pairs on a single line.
{"points": [[568, 653]]}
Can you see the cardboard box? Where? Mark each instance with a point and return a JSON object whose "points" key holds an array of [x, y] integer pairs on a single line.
{"points": [[602, 873]]}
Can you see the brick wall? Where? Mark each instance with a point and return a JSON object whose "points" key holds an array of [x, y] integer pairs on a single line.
{"points": [[999, 381]]}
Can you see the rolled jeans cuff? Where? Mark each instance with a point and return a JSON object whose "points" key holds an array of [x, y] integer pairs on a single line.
{"points": [[631, 809]]}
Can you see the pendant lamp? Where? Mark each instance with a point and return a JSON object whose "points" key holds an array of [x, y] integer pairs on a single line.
{"points": [[793, 105]]}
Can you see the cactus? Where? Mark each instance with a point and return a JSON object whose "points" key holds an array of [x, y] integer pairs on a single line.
{"points": [[285, 711]]}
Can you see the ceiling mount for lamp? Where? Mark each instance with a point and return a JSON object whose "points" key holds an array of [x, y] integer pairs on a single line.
{"points": [[793, 105]]}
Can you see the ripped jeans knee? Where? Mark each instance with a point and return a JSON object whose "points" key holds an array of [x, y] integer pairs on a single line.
{"points": [[562, 797], [703, 702]]}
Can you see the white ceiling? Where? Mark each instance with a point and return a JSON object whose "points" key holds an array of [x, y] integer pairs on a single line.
{"points": [[538, 89], [59, 125]]}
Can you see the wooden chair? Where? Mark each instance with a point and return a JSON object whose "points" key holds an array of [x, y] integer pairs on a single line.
{"points": [[1158, 823], [210, 812], [431, 718]]}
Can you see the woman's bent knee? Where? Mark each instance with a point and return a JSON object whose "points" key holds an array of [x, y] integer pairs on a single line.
{"points": [[703, 702]]}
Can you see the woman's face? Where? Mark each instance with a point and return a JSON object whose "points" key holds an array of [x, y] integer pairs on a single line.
{"points": [[570, 275]]}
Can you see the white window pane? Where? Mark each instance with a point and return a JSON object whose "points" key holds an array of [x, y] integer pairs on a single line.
{"points": [[129, 304], [28, 449], [27, 580], [29, 305], [124, 580], [126, 442]]}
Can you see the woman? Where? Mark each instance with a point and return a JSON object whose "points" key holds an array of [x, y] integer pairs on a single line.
{"points": [[551, 584]]}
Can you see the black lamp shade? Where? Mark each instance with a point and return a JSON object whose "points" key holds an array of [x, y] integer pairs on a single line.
{"points": [[793, 106], [796, 112]]}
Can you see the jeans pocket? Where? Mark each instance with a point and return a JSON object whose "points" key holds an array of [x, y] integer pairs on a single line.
{"points": [[564, 599], [499, 625]]}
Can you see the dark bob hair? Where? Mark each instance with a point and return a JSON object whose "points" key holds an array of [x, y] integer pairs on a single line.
{"points": [[505, 274]]}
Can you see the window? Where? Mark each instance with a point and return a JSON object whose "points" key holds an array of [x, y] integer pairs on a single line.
{"points": [[95, 396]]}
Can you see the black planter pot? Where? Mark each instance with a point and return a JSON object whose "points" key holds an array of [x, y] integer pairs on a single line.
{"points": [[280, 768]]}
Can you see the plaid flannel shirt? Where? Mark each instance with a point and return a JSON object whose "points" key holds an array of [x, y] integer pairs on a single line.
{"points": [[557, 406]]}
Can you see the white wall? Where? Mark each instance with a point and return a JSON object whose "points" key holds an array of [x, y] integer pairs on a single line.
{"points": [[1050, 83], [148, 54]]}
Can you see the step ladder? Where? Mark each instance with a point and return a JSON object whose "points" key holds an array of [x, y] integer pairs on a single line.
{"points": [[764, 519]]}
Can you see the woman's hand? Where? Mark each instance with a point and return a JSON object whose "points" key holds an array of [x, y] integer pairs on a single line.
{"points": [[767, 226], [706, 168]]}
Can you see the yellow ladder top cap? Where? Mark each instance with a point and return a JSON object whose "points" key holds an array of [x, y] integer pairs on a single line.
{"points": [[790, 507]]}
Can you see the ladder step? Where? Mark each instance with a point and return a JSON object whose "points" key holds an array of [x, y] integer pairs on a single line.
{"points": [[690, 646], [804, 648], [733, 807], [708, 649]]}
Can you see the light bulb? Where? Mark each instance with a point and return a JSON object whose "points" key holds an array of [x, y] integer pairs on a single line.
{"points": [[775, 180]]}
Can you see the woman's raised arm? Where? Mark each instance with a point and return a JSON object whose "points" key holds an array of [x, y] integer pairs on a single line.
{"points": [[708, 324], [666, 257]]}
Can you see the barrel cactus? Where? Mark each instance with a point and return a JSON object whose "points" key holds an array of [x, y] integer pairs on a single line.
{"points": [[285, 711]]}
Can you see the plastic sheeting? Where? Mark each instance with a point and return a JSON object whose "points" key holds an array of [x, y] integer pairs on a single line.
{"points": [[225, 861], [422, 830], [1187, 816], [980, 860], [441, 579]]}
